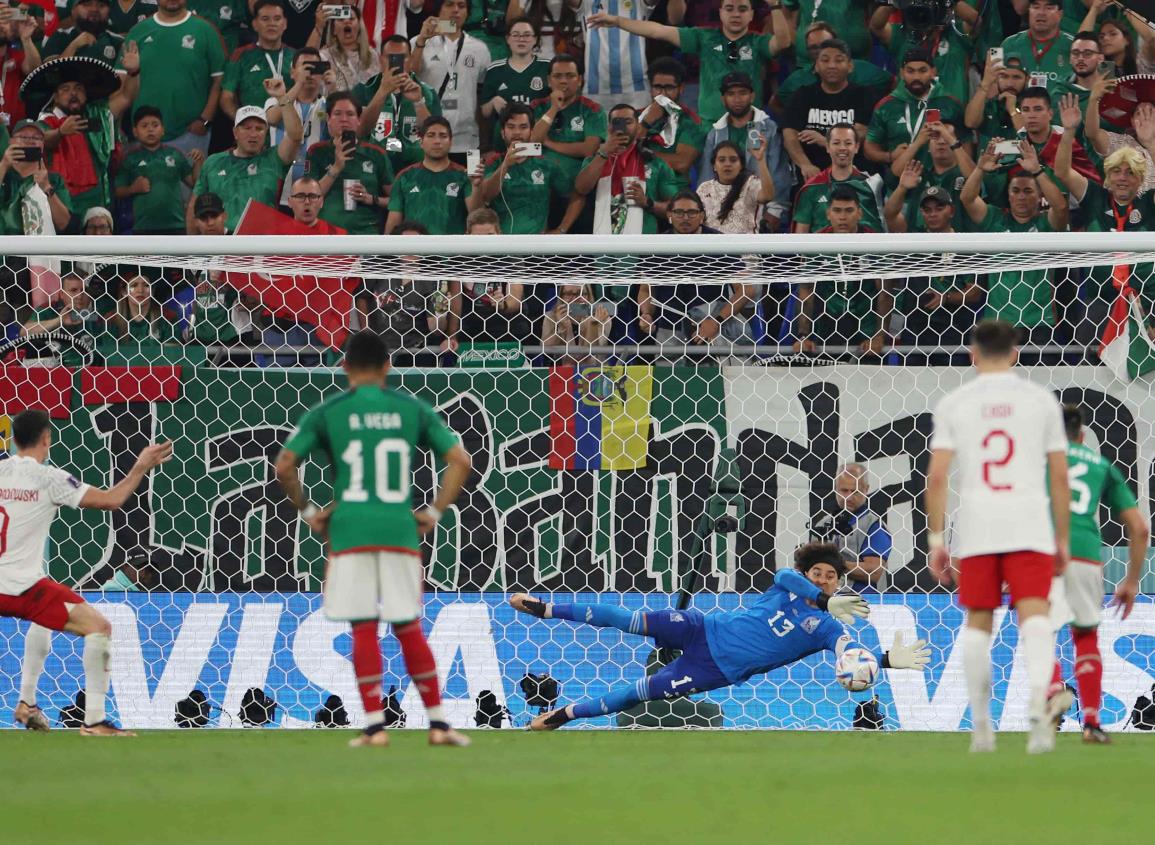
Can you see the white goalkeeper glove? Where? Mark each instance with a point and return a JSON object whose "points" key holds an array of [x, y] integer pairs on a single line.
{"points": [[913, 656], [845, 608]]}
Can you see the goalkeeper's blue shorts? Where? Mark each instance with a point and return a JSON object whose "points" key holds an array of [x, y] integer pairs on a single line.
{"points": [[695, 670]]}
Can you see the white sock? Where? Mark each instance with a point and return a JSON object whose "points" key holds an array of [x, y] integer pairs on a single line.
{"points": [[977, 666], [97, 650], [435, 713], [37, 644], [1039, 652]]}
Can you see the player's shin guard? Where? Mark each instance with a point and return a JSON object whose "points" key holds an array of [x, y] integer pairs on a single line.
{"points": [[1039, 651], [614, 701], [368, 666], [97, 653], [977, 666], [37, 644], [602, 616], [422, 669], [1088, 673]]}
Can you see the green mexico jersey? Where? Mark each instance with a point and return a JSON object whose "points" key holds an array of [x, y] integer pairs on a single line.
{"points": [[1094, 481], [19, 213], [750, 54], [162, 207], [435, 198], [573, 124], [236, 180], [814, 197], [105, 49], [121, 20], [250, 66], [952, 181], [370, 437], [228, 17], [863, 73], [848, 20], [398, 119], [1023, 297], [368, 165], [178, 63], [846, 298], [523, 204], [1102, 214], [954, 51], [898, 118], [513, 86], [691, 132], [1050, 57]]}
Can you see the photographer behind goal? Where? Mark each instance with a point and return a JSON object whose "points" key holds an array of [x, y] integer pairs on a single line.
{"points": [[858, 532]]}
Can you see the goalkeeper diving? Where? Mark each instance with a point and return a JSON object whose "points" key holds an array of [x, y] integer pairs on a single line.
{"points": [[800, 615]]}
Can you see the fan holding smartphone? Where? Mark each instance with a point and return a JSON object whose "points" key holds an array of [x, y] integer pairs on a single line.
{"points": [[38, 188]]}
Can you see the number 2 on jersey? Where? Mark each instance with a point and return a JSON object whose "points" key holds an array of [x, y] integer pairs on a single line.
{"points": [[390, 450], [997, 442]]}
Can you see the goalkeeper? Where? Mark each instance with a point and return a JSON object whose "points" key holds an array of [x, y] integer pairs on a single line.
{"points": [[793, 619]]}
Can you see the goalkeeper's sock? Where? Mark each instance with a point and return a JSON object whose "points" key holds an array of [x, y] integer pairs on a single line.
{"points": [[368, 666], [977, 666], [1088, 673], [37, 643], [422, 669], [1039, 650], [1056, 679], [97, 652], [602, 616], [614, 701]]}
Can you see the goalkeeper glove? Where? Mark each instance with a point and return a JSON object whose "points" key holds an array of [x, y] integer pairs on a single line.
{"points": [[902, 656], [844, 608]]}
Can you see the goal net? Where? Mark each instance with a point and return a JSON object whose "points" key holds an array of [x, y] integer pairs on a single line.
{"points": [[655, 423]]}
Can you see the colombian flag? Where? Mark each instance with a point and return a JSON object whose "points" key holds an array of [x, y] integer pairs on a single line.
{"points": [[599, 417]]}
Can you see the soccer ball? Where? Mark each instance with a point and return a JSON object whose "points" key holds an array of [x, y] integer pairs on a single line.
{"points": [[856, 669]]}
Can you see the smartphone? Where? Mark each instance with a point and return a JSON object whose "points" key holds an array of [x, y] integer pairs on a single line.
{"points": [[18, 15], [444, 26], [619, 124], [933, 116], [319, 68], [578, 310], [472, 161], [753, 139], [349, 140], [995, 54], [529, 149], [397, 62], [1008, 153], [338, 13], [31, 153], [1039, 80], [1107, 70]]}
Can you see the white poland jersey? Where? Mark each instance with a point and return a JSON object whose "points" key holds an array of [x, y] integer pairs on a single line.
{"points": [[30, 494], [1001, 428]]}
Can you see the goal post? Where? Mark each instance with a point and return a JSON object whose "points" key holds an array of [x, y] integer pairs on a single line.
{"points": [[610, 461]]}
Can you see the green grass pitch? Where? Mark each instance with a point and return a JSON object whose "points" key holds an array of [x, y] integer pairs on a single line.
{"points": [[590, 787]]}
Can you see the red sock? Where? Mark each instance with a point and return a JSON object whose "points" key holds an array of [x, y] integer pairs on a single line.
{"points": [[1088, 673], [420, 665], [1056, 679], [368, 666]]}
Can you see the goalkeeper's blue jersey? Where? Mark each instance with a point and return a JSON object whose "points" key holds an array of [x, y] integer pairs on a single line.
{"points": [[778, 628]]}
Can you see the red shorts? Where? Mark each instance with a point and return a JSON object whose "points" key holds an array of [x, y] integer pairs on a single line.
{"points": [[1027, 575], [44, 603]]}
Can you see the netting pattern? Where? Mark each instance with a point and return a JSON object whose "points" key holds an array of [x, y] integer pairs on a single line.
{"points": [[688, 484]]}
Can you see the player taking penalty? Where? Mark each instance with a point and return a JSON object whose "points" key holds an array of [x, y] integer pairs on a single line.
{"points": [[1077, 596], [371, 436], [797, 617], [1013, 526], [30, 495]]}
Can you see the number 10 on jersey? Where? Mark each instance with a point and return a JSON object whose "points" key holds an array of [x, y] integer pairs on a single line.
{"points": [[390, 471]]}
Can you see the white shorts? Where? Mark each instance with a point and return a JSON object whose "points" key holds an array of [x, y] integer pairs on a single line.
{"points": [[373, 585], [1077, 595]]}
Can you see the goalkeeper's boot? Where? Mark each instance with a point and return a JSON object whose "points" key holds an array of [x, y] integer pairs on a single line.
{"points": [[525, 603], [1095, 735], [1058, 703], [442, 734], [373, 736], [983, 738], [31, 717], [105, 728], [552, 720]]}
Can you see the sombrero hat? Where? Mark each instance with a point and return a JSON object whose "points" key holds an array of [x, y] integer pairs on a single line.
{"points": [[96, 76]]}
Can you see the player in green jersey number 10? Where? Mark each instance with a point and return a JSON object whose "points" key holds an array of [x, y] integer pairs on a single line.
{"points": [[370, 435], [1077, 594]]}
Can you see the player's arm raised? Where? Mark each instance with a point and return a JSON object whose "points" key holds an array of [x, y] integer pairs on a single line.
{"points": [[843, 608], [115, 496], [458, 465]]}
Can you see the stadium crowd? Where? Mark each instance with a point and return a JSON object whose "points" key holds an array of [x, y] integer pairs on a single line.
{"points": [[682, 116]]}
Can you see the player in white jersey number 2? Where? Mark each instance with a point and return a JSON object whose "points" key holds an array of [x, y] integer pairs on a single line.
{"points": [[30, 495], [1013, 525]]}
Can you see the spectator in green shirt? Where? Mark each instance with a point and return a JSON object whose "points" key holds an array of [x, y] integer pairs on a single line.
{"points": [[569, 127], [674, 132], [396, 104], [248, 67], [848, 17], [72, 315], [722, 51], [952, 44], [994, 107], [139, 324], [88, 36], [1043, 46], [151, 177], [33, 200], [435, 193], [521, 78]]}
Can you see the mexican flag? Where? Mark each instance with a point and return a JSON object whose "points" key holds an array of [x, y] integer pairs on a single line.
{"points": [[1126, 348]]}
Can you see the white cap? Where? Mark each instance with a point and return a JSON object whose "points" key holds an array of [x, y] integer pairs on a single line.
{"points": [[245, 112]]}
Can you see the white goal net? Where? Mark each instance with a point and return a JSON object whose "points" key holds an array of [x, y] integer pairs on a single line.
{"points": [[655, 422]]}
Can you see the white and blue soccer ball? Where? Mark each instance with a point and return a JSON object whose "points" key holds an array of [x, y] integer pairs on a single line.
{"points": [[856, 669]]}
